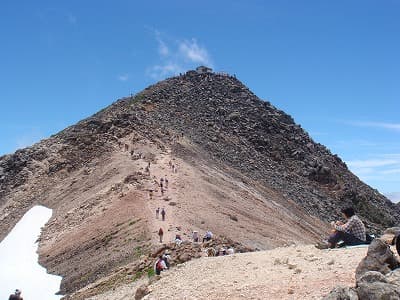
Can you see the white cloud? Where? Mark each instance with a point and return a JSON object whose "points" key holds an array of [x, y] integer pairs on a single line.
{"points": [[161, 71], [384, 125], [163, 49], [372, 163], [177, 56], [391, 171], [123, 77], [192, 52], [383, 169], [394, 196]]}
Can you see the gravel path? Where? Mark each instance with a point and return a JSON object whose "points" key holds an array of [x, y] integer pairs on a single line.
{"points": [[301, 272], [296, 272]]}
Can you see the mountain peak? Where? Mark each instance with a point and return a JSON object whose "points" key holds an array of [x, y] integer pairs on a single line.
{"points": [[246, 171]]}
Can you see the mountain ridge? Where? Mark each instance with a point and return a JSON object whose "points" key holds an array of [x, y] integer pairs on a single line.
{"points": [[245, 169]]}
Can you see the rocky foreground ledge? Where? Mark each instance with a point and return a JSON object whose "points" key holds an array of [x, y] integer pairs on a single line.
{"points": [[294, 272], [377, 276]]}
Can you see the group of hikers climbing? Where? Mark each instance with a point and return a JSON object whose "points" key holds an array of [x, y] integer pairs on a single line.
{"points": [[162, 184], [352, 232], [195, 236]]}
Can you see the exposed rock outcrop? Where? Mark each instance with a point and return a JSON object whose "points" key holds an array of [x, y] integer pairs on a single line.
{"points": [[377, 276]]}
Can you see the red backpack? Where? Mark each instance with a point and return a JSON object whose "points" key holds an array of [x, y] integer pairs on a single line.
{"points": [[159, 265]]}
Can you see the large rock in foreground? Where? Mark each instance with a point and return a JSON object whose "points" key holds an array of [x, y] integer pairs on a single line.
{"points": [[377, 276]]}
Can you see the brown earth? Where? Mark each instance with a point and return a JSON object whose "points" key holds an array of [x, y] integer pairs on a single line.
{"points": [[246, 172]]}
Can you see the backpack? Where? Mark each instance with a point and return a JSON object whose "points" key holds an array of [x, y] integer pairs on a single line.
{"points": [[159, 265]]}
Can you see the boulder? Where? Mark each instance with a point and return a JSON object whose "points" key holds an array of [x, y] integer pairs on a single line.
{"points": [[342, 293], [371, 277], [393, 277], [392, 230], [183, 258], [379, 258], [378, 291], [142, 291]]}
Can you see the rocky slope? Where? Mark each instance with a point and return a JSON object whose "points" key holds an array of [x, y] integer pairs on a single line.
{"points": [[245, 170]]}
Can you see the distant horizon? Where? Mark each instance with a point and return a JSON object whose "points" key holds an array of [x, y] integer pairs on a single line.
{"points": [[332, 66]]}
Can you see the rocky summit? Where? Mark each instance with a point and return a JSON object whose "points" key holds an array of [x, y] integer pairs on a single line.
{"points": [[235, 165]]}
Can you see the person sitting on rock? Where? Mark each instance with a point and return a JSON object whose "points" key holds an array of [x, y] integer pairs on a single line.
{"points": [[178, 240], [352, 232], [230, 251], [160, 265], [195, 236], [208, 236]]}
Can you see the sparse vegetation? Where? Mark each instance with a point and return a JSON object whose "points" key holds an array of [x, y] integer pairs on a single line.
{"points": [[150, 272], [136, 99], [138, 251]]}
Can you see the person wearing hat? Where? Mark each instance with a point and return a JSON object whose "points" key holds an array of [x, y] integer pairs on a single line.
{"points": [[16, 295]]}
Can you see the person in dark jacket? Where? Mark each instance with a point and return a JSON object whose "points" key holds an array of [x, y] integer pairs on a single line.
{"points": [[16, 295]]}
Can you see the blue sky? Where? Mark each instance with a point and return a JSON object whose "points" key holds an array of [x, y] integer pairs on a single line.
{"points": [[333, 65]]}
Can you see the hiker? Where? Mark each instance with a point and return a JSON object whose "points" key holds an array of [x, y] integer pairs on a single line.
{"points": [[195, 236], [178, 240], [173, 168], [166, 259], [160, 234], [221, 252], [166, 182], [207, 236], [157, 212], [16, 295], [160, 265], [163, 214], [352, 232]]}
